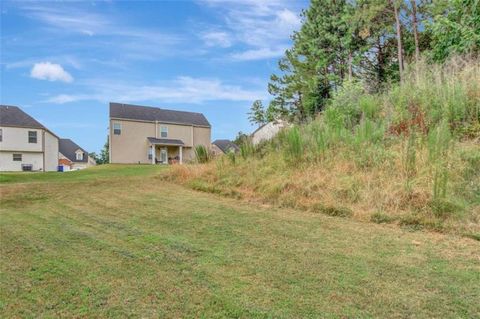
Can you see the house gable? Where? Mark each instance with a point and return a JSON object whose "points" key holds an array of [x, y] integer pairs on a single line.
{"points": [[70, 149]]}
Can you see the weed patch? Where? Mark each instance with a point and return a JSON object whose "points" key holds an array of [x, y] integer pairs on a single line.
{"points": [[332, 210], [382, 218]]}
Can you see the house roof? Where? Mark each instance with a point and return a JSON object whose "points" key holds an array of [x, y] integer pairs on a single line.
{"points": [[148, 113], [226, 145], [68, 148], [274, 122], [14, 116], [165, 141]]}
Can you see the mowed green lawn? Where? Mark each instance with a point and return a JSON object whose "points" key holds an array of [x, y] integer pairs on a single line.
{"points": [[118, 241]]}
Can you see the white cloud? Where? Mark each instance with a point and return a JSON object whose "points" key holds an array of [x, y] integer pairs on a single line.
{"points": [[69, 60], [67, 18], [288, 19], [264, 28], [105, 31], [63, 98], [183, 89], [217, 38], [51, 72], [258, 54]]}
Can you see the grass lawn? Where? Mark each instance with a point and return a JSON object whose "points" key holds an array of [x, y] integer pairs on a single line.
{"points": [[117, 241]]}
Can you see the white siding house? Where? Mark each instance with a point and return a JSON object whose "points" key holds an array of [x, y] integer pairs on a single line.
{"points": [[25, 144]]}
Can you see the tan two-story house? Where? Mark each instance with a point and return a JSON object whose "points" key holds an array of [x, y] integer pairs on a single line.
{"points": [[25, 144], [151, 135]]}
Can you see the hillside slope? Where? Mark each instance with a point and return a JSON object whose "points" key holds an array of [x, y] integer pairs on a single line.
{"points": [[409, 156]]}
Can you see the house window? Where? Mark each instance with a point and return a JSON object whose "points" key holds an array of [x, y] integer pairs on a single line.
{"points": [[117, 128], [150, 153], [17, 157], [79, 156], [1, 135], [32, 136], [164, 131]]}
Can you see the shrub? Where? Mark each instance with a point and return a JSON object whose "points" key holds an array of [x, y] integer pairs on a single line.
{"points": [[202, 154], [293, 145], [247, 149], [346, 103], [444, 209]]}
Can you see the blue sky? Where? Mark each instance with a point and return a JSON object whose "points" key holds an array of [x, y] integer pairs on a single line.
{"points": [[62, 62]]}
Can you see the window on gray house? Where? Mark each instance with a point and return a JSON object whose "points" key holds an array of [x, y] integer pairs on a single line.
{"points": [[164, 131], [79, 156], [117, 128], [32, 136], [17, 157], [1, 135]]}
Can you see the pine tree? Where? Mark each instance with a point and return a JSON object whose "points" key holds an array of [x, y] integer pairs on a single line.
{"points": [[320, 59], [368, 40], [257, 113]]}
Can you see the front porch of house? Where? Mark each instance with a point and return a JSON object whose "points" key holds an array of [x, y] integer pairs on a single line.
{"points": [[165, 151]]}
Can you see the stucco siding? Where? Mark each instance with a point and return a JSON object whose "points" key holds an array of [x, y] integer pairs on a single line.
{"points": [[8, 164], [131, 145], [180, 132], [188, 154], [202, 136], [51, 152], [16, 139]]}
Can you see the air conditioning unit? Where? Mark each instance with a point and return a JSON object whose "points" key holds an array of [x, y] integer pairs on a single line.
{"points": [[27, 167]]}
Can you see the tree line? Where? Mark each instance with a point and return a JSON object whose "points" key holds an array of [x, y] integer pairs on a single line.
{"points": [[371, 41]]}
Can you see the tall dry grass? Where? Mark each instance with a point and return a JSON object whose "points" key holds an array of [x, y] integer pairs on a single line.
{"points": [[409, 156]]}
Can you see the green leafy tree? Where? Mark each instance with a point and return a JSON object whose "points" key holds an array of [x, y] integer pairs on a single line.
{"points": [[257, 113], [104, 157], [368, 41], [376, 57], [455, 28], [240, 139]]}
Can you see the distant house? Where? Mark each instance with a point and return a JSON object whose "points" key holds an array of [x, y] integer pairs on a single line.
{"points": [[220, 147], [151, 135], [25, 144], [268, 131], [73, 157]]}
